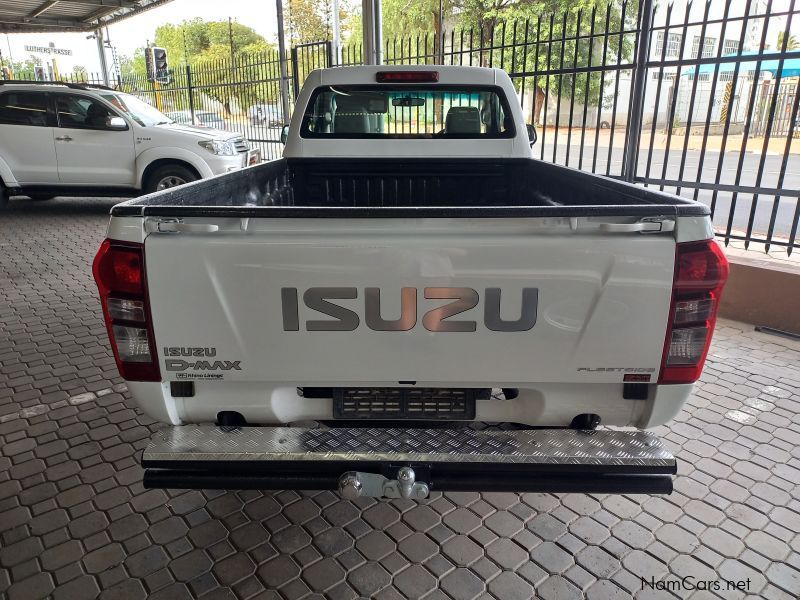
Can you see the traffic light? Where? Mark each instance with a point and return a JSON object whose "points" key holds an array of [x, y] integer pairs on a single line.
{"points": [[160, 62], [149, 64]]}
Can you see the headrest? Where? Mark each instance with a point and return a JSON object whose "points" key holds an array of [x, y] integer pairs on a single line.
{"points": [[463, 119]]}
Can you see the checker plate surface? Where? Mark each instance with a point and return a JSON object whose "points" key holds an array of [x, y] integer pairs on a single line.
{"points": [[538, 446]]}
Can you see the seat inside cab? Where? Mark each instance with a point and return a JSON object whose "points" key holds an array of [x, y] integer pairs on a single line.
{"points": [[463, 120], [351, 115]]}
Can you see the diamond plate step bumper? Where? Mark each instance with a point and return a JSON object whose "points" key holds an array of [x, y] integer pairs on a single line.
{"points": [[552, 460]]}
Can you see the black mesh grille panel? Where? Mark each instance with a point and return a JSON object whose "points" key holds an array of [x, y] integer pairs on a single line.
{"points": [[404, 403]]}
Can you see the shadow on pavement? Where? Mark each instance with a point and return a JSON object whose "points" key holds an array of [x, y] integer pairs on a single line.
{"points": [[22, 205]]}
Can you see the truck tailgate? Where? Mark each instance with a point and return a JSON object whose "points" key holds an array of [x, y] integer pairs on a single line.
{"points": [[234, 303]]}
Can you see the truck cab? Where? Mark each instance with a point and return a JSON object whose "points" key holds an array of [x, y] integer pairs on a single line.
{"points": [[413, 112]]}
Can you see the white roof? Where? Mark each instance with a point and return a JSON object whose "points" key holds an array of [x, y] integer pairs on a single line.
{"points": [[362, 75]]}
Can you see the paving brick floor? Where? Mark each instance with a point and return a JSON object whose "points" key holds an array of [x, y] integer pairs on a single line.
{"points": [[75, 521]]}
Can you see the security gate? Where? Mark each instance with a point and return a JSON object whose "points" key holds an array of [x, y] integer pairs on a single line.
{"points": [[306, 58]]}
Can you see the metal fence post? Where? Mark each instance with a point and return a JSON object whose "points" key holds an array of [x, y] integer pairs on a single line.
{"points": [[295, 72], [189, 90], [632, 136]]}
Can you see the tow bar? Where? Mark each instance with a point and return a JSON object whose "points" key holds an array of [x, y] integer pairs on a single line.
{"points": [[355, 484]]}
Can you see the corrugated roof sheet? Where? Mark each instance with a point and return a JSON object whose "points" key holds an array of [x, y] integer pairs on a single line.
{"points": [[28, 16]]}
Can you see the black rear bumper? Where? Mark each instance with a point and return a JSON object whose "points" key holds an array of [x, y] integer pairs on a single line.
{"points": [[439, 480]]}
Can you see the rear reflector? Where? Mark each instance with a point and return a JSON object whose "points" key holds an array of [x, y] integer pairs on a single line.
{"points": [[686, 345], [118, 269], [407, 76], [701, 271], [133, 344]]}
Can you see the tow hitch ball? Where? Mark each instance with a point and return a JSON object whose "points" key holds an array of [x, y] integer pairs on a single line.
{"points": [[355, 484]]}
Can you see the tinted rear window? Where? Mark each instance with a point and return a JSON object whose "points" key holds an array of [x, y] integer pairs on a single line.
{"points": [[407, 111], [23, 108]]}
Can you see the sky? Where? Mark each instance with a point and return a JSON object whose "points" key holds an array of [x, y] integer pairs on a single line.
{"points": [[134, 32]]}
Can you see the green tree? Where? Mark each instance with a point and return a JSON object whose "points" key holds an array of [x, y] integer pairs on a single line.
{"points": [[25, 69], [488, 24], [791, 44], [219, 53], [311, 20], [195, 40], [133, 66]]}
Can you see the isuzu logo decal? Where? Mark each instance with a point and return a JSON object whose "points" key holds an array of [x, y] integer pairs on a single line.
{"points": [[438, 318]]}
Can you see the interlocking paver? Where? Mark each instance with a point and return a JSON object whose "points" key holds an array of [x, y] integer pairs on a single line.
{"points": [[74, 518], [369, 578], [190, 565], [324, 574], [278, 571], [37, 586], [598, 561], [558, 588], [415, 582], [461, 550], [418, 548]]}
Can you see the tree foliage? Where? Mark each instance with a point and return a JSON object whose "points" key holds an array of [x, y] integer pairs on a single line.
{"points": [[523, 36], [23, 69], [530, 36], [792, 43], [219, 52]]}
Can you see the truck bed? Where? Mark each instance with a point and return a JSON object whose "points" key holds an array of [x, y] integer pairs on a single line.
{"points": [[402, 188]]}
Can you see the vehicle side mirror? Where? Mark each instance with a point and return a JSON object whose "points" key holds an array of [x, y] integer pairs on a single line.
{"points": [[284, 134], [116, 123], [532, 136]]}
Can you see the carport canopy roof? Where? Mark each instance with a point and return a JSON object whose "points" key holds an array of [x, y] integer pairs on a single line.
{"points": [[32, 16]]}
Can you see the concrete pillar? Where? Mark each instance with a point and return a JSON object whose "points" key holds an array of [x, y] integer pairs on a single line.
{"points": [[372, 19], [337, 42], [368, 28], [377, 20], [284, 74], [101, 53]]}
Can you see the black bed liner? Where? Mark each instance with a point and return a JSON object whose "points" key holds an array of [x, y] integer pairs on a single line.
{"points": [[397, 188]]}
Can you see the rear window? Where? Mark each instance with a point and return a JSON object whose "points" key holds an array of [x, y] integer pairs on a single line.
{"points": [[23, 108], [407, 111]]}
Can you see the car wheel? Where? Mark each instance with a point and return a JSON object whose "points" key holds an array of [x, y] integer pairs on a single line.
{"points": [[168, 176], [3, 197]]}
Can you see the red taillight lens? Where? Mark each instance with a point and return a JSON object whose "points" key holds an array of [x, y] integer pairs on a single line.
{"points": [[118, 268], [701, 271], [407, 76], [119, 272], [700, 266]]}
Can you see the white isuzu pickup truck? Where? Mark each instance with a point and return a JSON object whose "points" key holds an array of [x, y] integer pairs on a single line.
{"points": [[409, 302]]}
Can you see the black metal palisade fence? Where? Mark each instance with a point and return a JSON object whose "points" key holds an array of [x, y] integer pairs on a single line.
{"points": [[697, 98]]}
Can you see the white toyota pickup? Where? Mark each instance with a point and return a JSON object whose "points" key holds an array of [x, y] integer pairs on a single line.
{"points": [[409, 302], [71, 139]]}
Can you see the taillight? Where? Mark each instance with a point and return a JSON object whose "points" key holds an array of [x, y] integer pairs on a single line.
{"points": [[407, 76], [119, 273], [701, 271]]}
